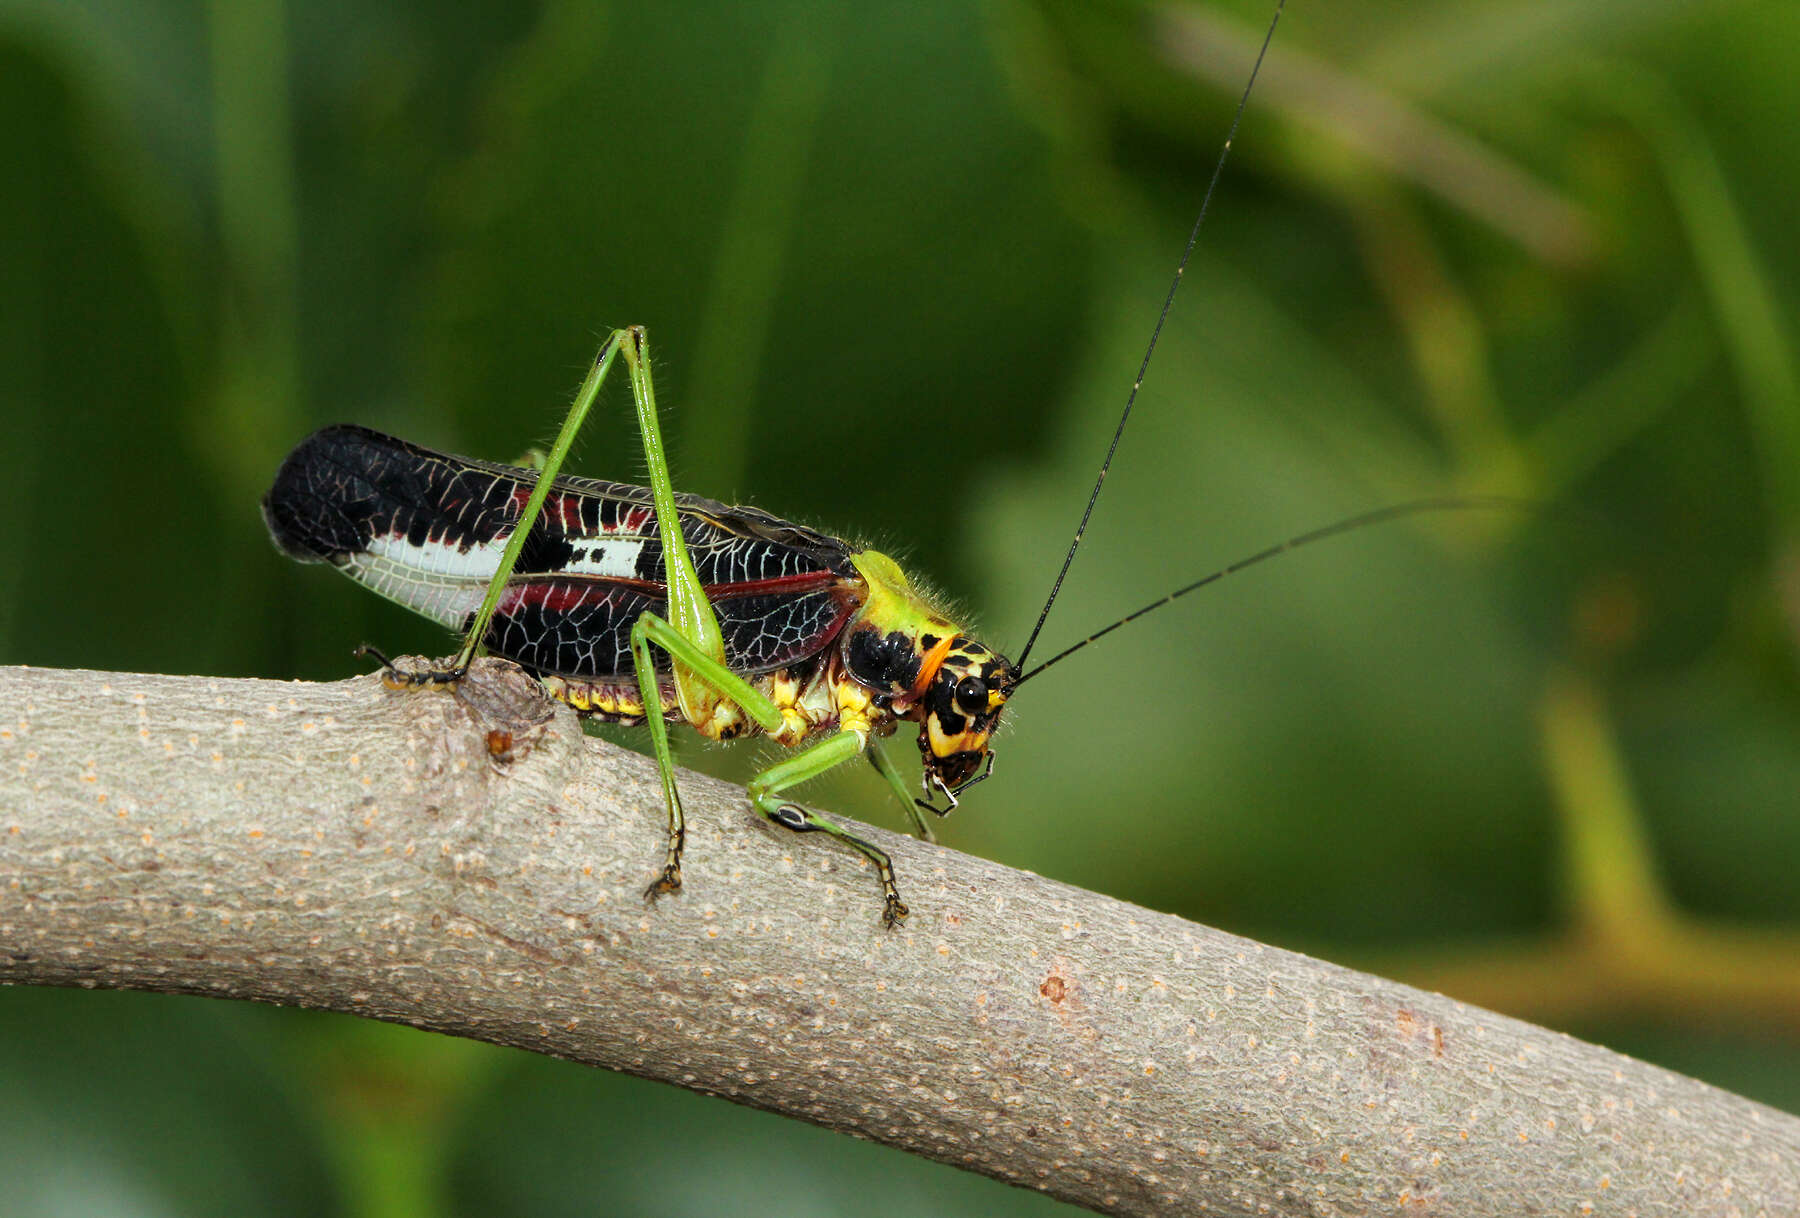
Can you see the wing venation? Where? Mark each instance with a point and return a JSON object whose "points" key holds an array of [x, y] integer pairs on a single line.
{"points": [[427, 529]]}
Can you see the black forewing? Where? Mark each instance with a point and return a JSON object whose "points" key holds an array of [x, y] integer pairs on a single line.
{"points": [[590, 566]]}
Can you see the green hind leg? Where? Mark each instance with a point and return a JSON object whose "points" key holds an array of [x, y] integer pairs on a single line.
{"points": [[690, 634], [549, 465], [689, 610], [897, 783], [646, 631], [534, 504]]}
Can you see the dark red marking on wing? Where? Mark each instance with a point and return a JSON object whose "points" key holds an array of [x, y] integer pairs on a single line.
{"points": [[581, 627], [558, 593]]}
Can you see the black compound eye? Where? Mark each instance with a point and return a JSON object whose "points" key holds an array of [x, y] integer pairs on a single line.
{"points": [[971, 695]]}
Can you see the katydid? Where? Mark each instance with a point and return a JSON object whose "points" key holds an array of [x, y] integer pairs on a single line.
{"points": [[638, 605], [642, 605]]}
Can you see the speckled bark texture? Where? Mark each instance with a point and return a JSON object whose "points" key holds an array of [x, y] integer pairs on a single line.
{"points": [[466, 861]]}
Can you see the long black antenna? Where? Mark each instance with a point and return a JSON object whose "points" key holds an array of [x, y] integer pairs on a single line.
{"points": [[1378, 516], [1143, 366]]}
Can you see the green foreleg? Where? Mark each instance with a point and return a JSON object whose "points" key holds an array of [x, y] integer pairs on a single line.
{"points": [[813, 762], [897, 781]]}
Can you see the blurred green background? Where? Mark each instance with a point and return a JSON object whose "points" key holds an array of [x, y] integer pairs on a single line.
{"points": [[898, 261]]}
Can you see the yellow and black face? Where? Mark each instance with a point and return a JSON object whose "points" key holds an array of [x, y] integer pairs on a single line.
{"points": [[952, 686], [960, 710]]}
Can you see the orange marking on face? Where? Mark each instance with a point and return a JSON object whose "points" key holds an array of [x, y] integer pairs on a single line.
{"points": [[928, 669]]}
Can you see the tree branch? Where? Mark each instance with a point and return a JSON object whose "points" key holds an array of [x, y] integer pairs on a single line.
{"points": [[466, 861]]}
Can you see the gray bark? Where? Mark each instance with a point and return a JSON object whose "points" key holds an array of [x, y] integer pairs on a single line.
{"points": [[360, 849]]}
